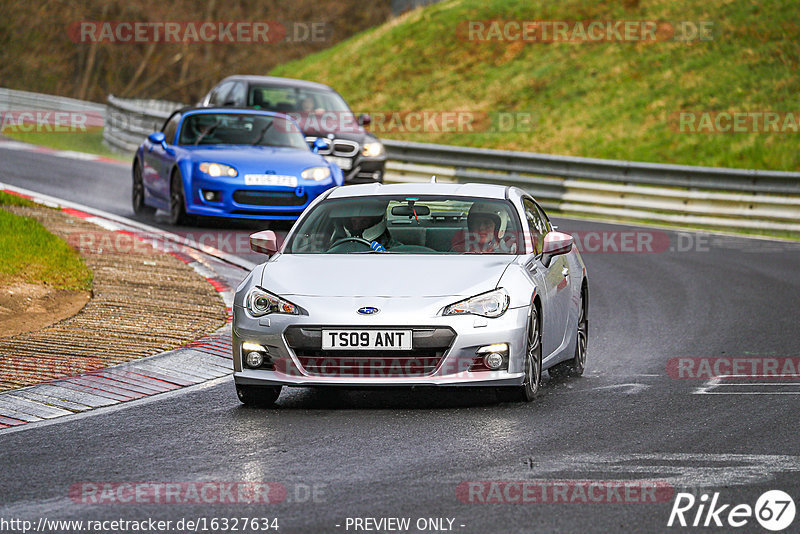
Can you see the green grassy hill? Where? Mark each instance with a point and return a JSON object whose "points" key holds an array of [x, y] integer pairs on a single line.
{"points": [[596, 99]]}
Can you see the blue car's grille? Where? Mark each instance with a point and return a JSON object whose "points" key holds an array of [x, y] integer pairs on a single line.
{"points": [[269, 198]]}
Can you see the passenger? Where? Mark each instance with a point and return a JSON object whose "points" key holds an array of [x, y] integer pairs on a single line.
{"points": [[483, 226]]}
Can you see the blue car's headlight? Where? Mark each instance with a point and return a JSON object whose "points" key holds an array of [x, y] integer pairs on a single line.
{"points": [[218, 169], [316, 173], [259, 303], [491, 304]]}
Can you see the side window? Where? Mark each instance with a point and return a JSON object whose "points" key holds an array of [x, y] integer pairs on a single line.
{"points": [[171, 128], [536, 224], [542, 215], [237, 95], [219, 94]]}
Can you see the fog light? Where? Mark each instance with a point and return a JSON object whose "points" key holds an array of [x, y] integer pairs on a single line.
{"points": [[254, 359], [212, 196], [493, 361]]}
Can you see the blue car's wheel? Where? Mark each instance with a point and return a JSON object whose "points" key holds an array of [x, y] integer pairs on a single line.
{"points": [[177, 202], [137, 194]]}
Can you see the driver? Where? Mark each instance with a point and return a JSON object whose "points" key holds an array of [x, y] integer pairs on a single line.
{"points": [[365, 220], [372, 229]]}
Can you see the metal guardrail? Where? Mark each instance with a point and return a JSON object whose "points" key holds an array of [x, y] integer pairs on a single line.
{"points": [[13, 100], [129, 121], [677, 194]]}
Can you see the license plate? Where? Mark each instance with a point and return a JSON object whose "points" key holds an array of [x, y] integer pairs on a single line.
{"points": [[270, 179], [344, 163], [366, 339]]}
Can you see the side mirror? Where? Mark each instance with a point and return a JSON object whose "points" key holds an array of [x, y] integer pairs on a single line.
{"points": [[320, 143], [555, 244], [265, 242], [158, 138], [364, 119]]}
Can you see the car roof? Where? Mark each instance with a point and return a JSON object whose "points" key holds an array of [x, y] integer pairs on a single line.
{"points": [[274, 80], [230, 109], [460, 190]]}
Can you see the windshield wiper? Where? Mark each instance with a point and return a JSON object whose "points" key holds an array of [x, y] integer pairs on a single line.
{"points": [[263, 131], [204, 134]]}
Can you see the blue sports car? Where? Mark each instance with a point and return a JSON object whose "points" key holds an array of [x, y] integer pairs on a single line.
{"points": [[245, 164]]}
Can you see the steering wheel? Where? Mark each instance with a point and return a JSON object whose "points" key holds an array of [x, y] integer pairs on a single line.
{"points": [[343, 240]]}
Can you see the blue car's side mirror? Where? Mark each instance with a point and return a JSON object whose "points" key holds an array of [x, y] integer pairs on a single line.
{"points": [[320, 143], [158, 138]]}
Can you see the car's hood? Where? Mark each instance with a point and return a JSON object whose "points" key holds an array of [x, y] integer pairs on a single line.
{"points": [[383, 275], [259, 158]]}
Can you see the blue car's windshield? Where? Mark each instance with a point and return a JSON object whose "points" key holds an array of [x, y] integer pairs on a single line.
{"points": [[409, 225], [240, 129]]}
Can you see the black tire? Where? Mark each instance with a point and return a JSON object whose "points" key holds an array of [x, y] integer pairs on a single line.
{"points": [[532, 382], [258, 395], [137, 193], [575, 366], [177, 201]]}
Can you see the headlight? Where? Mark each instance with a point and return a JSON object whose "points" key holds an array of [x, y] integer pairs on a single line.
{"points": [[372, 150], [491, 304], [316, 173], [218, 169], [258, 303]]}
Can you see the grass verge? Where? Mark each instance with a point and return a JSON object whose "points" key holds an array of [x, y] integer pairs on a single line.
{"points": [[90, 142], [31, 254]]}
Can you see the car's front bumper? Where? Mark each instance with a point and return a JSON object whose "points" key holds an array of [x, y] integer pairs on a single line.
{"points": [[454, 367], [240, 201]]}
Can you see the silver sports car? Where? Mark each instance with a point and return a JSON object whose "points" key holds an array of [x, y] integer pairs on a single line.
{"points": [[412, 285]]}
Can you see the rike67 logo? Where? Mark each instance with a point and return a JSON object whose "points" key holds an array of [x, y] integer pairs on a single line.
{"points": [[774, 510]]}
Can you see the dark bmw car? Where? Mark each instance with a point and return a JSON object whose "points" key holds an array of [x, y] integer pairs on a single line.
{"points": [[319, 110]]}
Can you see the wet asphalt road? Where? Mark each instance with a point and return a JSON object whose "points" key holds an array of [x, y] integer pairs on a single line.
{"points": [[357, 454]]}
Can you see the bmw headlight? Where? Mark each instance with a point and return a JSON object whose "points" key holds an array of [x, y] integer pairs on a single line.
{"points": [[218, 169], [372, 150], [316, 173], [491, 304], [259, 303]]}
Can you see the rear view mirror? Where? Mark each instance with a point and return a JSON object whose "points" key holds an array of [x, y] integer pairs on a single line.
{"points": [[156, 138], [364, 119], [405, 210], [265, 242], [555, 244]]}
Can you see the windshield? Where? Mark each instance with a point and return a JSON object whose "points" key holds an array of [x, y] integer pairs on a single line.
{"points": [[294, 99], [408, 225], [240, 129]]}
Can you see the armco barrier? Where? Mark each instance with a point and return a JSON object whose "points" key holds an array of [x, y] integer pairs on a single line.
{"points": [[676, 194], [128, 122]]}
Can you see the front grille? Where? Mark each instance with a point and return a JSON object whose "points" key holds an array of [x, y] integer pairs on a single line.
{"points": [[339, 147], [269, 198], [429, 346]]}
